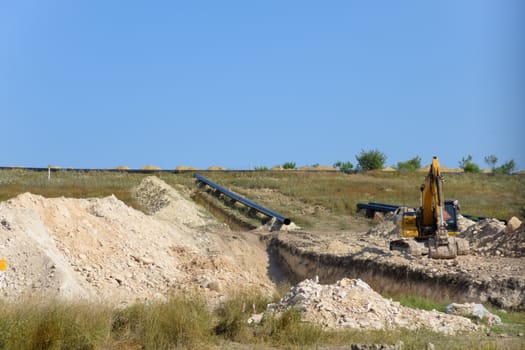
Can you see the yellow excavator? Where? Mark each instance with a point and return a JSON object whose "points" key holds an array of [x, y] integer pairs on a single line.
{"points": [[433, 226]]}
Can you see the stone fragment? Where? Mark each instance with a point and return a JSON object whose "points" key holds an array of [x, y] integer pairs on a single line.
{"points": [[513, 224]]}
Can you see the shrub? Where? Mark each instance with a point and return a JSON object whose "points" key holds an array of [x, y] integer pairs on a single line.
{"points": [[261, 168], [345, 167], [410, 165], [289, 165], [506, 168], [491, 161], [371, 160], [468, 165]]}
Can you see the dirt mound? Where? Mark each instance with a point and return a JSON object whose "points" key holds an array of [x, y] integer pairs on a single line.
{"points": [[164, 202], [386, 230], [351, 303], [490, 237], [102, 249]]}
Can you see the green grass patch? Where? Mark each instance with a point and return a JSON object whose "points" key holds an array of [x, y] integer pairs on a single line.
{"points": [[53, 324], [182, 322], [288, 329], [417, 302], [186, 322], [233, 314]]}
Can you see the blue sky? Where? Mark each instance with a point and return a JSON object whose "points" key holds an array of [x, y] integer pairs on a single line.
{"points": [[98, 84]]}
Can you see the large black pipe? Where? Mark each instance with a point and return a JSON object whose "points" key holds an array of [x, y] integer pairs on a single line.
{"points": [[243, 200], [384, 208]]}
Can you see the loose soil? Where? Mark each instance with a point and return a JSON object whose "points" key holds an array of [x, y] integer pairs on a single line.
{"points": [[102, 249]]}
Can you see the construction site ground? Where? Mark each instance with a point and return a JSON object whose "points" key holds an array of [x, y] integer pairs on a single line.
{"points": [[102, 249]]}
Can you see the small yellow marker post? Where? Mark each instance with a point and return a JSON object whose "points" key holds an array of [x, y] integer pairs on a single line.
{"points": [[3, 265]]}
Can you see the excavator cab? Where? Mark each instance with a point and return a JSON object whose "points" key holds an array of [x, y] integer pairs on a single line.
{"points": [[451, 217], [450, 221]]}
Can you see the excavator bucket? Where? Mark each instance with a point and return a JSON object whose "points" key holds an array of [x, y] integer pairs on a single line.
{"points": [[456, 246], [447, 251]]}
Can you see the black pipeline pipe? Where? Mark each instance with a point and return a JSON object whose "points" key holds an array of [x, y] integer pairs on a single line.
{"points": [[387, 207], [384, 208], [243, 200]]}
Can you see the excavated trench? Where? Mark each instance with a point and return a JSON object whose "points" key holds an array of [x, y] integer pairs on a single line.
{"points": [[393, 279], [203, 199], [298, 264], [290, 263]]}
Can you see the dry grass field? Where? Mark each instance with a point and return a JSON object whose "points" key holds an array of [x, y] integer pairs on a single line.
{"points": [[311, 199], [307, 197]]}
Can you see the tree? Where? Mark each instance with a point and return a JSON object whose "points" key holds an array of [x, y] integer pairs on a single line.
{"points": [[468, 165], [371, 160], [410, 165], [506, 168], [345, 167], [491, 161], [289, 165]]}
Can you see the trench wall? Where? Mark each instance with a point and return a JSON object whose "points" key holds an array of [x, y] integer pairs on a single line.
{"points": [[395, 279]]}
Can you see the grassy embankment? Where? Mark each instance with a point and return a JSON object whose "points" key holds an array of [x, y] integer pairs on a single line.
{"points": [[186, 323]]}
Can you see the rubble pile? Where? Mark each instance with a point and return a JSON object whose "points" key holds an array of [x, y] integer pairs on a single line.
{"points": [[385, 230], [351, 303], [491, 237], [488, 237], [464, 223]]}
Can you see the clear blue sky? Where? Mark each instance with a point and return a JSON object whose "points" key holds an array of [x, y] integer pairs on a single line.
{"points": [[98, 84]]}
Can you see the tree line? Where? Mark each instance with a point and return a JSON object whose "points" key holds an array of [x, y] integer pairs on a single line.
{"points": [[375, 159]]}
